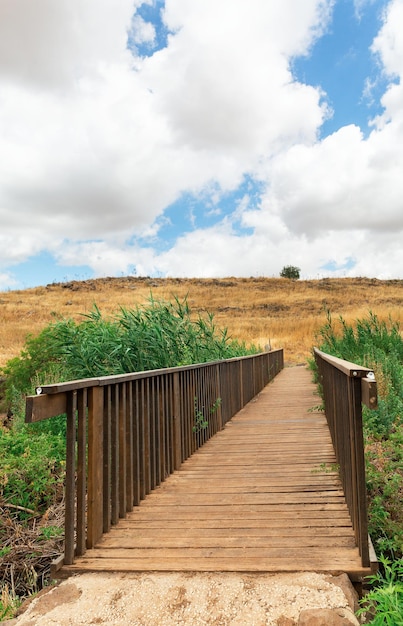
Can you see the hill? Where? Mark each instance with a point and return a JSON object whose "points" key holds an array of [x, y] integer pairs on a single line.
{"points": [[282, 312]]}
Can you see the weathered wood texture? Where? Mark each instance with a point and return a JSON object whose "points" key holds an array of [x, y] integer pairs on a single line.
{"points": [[262, 495], [345, 387], [127, 433]]}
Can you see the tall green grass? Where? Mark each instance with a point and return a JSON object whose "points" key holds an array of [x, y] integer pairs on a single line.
{"points": [[157, 335], [378, 344]]}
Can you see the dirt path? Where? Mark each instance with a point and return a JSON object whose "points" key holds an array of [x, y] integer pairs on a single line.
{"points": [[195, 599]]}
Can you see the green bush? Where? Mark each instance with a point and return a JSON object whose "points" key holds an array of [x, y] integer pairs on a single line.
{"points": [[290, 271], [31, 469], [385, 600], [378, 345], [161, 334]]}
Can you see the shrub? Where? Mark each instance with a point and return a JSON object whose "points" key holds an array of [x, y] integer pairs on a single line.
{"points": [[385, 600], [31, 469], [290, 271], [161, 334]]}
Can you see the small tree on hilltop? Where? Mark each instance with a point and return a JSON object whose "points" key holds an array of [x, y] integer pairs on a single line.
{"points": [[290, 271]]}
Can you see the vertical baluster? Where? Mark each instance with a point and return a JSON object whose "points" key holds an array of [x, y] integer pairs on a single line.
{"points": [[95, 465], [142, 446], [153, 451], [129, 446], [161, 428], [114, 417], [136, 443], [177, 421], [122, 450], [81, 471], [147, 451], [70, 478], [107, 459]]}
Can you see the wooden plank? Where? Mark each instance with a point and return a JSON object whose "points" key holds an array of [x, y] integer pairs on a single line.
{"points": [[249, 565], [350, 369], [334, 565], [107, 455], [42, 407], [177, 423], [81, 488], [157, 519], [122, 450], [114, 426], [129, 448], [136, 445], [245, 541], [132, 376], [95, 465], [369, 393], [70, 516], [265, 498], [217, 552]]}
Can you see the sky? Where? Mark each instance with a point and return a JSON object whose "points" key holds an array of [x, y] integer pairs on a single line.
{"points": [[200, 138]]}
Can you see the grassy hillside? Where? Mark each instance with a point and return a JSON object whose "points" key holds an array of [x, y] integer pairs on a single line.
{"points": [[278, 311]]}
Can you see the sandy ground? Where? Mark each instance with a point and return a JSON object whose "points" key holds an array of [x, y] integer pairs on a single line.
{"points": [[194, 599]]}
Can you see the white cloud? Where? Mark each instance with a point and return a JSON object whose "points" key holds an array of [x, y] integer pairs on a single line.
{"points": [[360, 5], [7, 281], [95, 143], [389, 42], [231, 88], [47, 44], [142, 32]]}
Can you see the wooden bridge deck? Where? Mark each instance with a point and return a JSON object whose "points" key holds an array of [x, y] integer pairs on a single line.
{"points": [[261, 496]]}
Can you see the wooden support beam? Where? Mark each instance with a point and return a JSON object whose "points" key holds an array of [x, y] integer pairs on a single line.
{"points": [[95, 465], [40, 408], [369, 394]]}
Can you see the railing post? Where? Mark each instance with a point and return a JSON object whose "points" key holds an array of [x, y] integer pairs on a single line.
{"points": [[122, 450], [129, 446], [358, 470], [177, 424], [70, 478], [241, 383], [114, 429], [218, 396], [95, 465], [107, 452], [81, 472]]}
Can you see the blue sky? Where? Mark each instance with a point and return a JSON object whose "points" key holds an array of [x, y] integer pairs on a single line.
{"points": [[211, 138]]}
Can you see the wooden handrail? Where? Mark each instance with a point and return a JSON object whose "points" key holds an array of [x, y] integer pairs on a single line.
{"points": [[127, 433], [345, 387]]}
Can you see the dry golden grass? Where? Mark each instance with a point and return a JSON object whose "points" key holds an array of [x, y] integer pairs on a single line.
{"points": [[285, 313]]}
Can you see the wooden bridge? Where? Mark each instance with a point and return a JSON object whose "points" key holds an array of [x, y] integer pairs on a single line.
{"points": [[226, 466]]}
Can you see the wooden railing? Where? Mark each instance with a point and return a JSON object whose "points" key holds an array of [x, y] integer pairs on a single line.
{"points": [[345, 387], [127, 433]]}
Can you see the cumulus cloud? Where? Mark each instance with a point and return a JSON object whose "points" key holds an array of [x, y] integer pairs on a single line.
{"points": [[46, 44], [231, 89], [97, 140]]}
